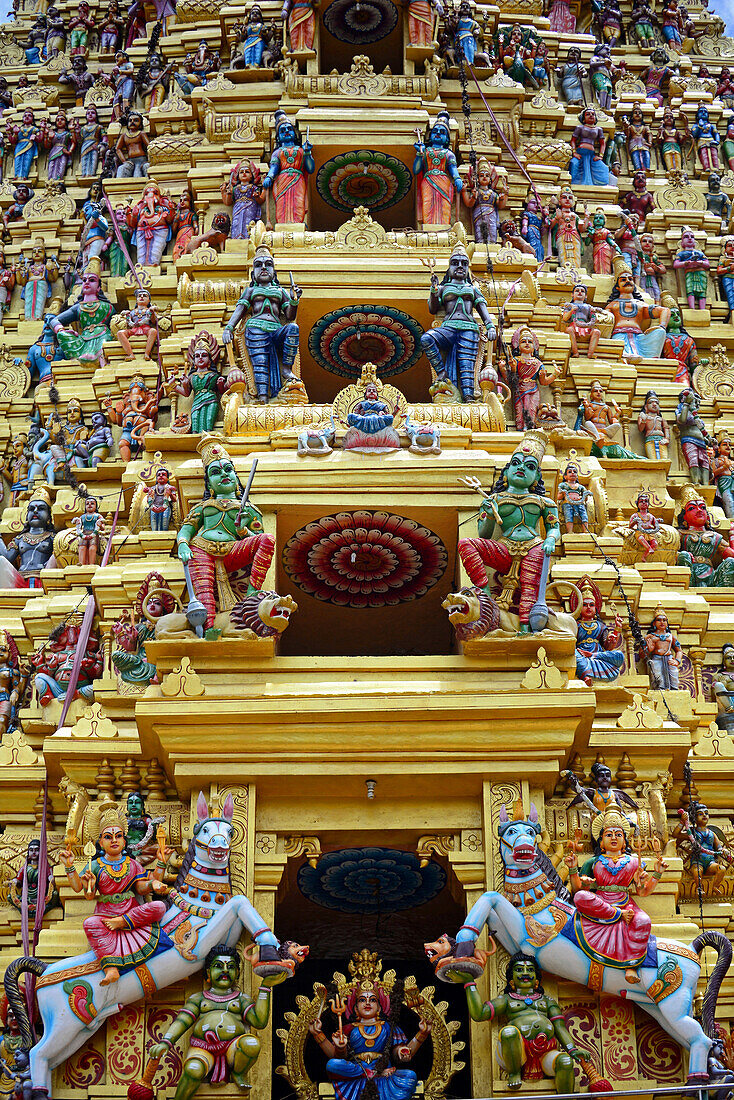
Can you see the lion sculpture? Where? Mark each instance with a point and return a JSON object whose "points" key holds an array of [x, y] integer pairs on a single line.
{"points": [[258, 615]]}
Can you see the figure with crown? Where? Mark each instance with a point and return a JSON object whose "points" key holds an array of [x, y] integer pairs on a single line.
{"points": [[271, 332], [123, 932], [54, 662], [510, 519], [611, 927], [222, 536], [288, 172], [437, 175], [457, 337], [30, 551], [706, 553], [598, 647], [365, 1049]]}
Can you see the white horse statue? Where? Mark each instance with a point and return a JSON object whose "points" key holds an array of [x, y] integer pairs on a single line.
{"points": [[74, 1004], [540, 920]]}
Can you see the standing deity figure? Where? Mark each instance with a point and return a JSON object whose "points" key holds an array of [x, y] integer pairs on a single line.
{"points": [[151, 220], [578, 319], [671, 141], [609, 20], [243, 191], [727, 146], [534, 222], [437, 175], [80, 27], [510, 540], [61, 143], [111, 29], [80, 78], [92, 145], [725, 87], [630, 315], [136, 413], [639, 201], [588, 143], [703, 849], [599, 418], [717, 202], [30, 551], [657, 76], [722, 471], [628, 237], [37, 279], [124, 930], [140, 321], [681, 348], [566, 229], [203, 381], [123, 81], [662, 653], [91, 313], [599, 653], [301, 18], [572, 497], [673, 25], [55, 33], [27, 881], [219, 536], [250, 35], [604, 246], [131, 149], [525, 374], [612, 924], [457, 337], [706, 138], [704, 551], [642, 24], [691, 262], [645, 525], [570, 78], [421, 21], [25, 140], [12, 684], [17, 467], [534, 1041], [271, 332], [484, 199], [90, 530], [653, 428], [651, 267], [723, 689], [639, 140], [695, 441], [160, 498], [221, 1042], [185, 224], [603, 74], [725, 272], [288, 172], [8, 279]]}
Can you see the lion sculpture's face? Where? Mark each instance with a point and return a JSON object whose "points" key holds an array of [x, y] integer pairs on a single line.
{"points": [[264, 613], [472, 613], [439, 949]]}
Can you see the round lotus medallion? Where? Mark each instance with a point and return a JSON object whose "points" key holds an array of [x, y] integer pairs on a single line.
{"points": [[363, 177], [370, 880], [360, 21], [343, 341]]}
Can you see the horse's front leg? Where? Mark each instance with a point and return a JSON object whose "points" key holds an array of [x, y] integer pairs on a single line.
{"points": [[491, 904]]}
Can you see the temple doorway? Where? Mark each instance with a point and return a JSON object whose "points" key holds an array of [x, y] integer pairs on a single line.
{"points": [[370, 882]]}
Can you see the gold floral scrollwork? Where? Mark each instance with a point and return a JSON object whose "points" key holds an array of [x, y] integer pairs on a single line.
{"points": [[15, 750], [15, 378], [10, 52], [52, 202], [714, 378], [441, 845], [542, 675], [308, 846], [709, 45], [94, 722], [100, 94], [46, 94], [679, 195], [182, 681]]}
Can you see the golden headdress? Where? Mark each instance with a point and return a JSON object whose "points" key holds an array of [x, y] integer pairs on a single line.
{"points": [[365, 969], [459, 250], [211, 448], [534, 443], [688, 494], [41, 493], [101, 815], [613, 818]]}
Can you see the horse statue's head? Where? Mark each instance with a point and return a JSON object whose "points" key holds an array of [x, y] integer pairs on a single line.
{"points": [[518, 839], [213, 835]]}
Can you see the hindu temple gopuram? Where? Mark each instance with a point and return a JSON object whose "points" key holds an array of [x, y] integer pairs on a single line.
{"points": [[366, 549]]}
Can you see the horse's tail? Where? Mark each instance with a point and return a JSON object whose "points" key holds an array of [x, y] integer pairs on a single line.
{"points": [[722, 947], [16, 1000]]}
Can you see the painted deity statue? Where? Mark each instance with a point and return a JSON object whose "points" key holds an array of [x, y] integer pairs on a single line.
{"points": [[37, 278], [366, 1049], [570, 77], [510, 540], [706, 138], [95, 229], [628, 238], [452, 348], [271, 332], [437, 176], [185, 224], [54, 662], [604, 246], [639, 200], [124, 930], [17, 466], [131, 632], [704, 551], [123, 81], [662, 653], [25, 141], [601, 795], [484, 198], [653, 427], [651, 267], [140, 321], [131, 149], [137, 413], [600, 419], [657, 76], [220, 537], [567, 228], [30, 551], [572, 497], [534, 1041], [588, 144], [645, 525], [288, 171], [693, 265], [79, 79], [681, 348], [613, 924], [370, 423], [703, 848], [61, 143], [599, 653], [603, 73], [671, 140], [695, 442], [641, 328], [722, 472], [534, 222], [91, 313], [525, 375], [725, 272], [717, 202], [203, 381], [578, 319], [26, 882], [723, 689], [243, 191], [221, 1044], [8, 279], [639, 139], [421, 21], [151, 220], [301, 18], [90, 530]]}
